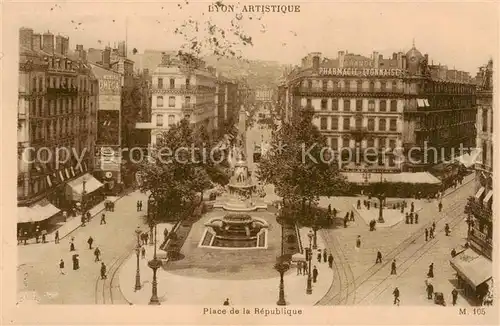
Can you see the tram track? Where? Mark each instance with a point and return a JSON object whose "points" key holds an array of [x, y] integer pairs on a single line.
{"points": [[337, 297]]}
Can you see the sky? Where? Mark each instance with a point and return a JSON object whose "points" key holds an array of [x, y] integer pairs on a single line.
{"points": [[463, 34]]}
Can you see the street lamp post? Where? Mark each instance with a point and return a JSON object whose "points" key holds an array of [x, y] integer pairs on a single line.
{"points": [[154, 264], [281, 266], [309, 281], [137, 271], [151, 217], [381, 197], [83, 203]]}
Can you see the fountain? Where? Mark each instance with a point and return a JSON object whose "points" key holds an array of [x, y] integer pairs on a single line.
{"points": [[237, 229]]}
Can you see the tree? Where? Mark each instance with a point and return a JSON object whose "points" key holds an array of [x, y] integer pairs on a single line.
{"points": [[299, 164], [178, 173]]}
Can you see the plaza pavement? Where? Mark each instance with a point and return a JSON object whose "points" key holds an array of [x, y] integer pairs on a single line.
{"points": [[176, 289], [38, 264]]}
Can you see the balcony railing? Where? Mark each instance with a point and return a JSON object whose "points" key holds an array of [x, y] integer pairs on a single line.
{"points": [[348, 90], [62, 91]]}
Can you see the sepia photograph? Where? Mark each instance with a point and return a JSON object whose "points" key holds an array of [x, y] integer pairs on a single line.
{"points": [[266, 160]]}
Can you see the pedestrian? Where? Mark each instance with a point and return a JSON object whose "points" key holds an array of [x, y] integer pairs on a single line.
{"points": [[453, 253], [315, 274], [426, 234], [379, 257], [140, 207], [352, 216], [319, 255], [103, 219], [329, 209], [407, 218], [299, 268], [430, 290], [165, 234], [305, 268], [90, 241], [61, 267], [330, 260], [396, 296], [226, 302], [368, 205], [146, 237], [325, 256], [76, 262], [25, 238], [334, 212], [137, 205], [411, 218], [56, 237], [103, 271], [44, 239], [393, 267], [402, 209], [434, 226], [345, 221], [82, 219], [447, 229], [97, 254], [358, 205], [71, 246], [454, 296], [416, 218], [440, 206], [431, 233], [143, 252], [430, 273], [358, 242]]}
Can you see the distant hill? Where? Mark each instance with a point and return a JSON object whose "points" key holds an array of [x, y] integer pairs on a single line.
{"points": [[256, 73]]}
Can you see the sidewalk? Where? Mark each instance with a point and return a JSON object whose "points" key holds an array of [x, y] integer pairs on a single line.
{"points": [[174, 289]]}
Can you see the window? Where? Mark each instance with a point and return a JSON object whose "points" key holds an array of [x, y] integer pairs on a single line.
{"points": [[389, 85], [159, 120], [309, 103], [171, 101], [371, 124], [171, 120], [172, 83], [372, 87], [382, 142], [359, 105], [371, 106], [335, 123], [345, 142], [188, 83], [334, 143], [383, 86], [187, 101], [159, 101], [187, 117], [160, 83], [359, 123], [370, 143], [393, 125], [40, 84], [335, 104], [347, 104], [383, 105], [359, 86], [324, 85], [381, 125], [323, 123], [392, 143], [485, 120], [309, 84], [324, 104], [394, 105], [347, 122]]}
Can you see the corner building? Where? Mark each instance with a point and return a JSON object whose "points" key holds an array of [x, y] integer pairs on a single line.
{"points": [[358, 101]]}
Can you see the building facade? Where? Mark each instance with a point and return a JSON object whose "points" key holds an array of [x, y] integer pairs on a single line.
{"points": [[182, 92], [56, 115], [439, 113], [481, 237], [226, 100], [358, 103]]}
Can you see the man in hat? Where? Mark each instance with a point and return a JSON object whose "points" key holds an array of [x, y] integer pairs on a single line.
{"points": [[396, 296], [61, 267], [315, 274], [454, 296], [393, 267], [103, 271], [440, 206], [330, 260], [325, 256], [90, 241], [56, 237], [426, 234], [379, 257], [430, 290], [103, 219], [97, 254], [319, 256]]}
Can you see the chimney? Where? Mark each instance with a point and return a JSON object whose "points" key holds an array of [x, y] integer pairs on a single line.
{"points": [[315, 63], [65, 45], [122, 50], [59, 44], [106, 57], [26, 37], [37, 41], [394, 56], [375, 59], [341, 59], [48, 42]]}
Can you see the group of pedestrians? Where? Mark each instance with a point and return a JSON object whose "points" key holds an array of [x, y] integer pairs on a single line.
{"points": [[429, 232], [139, 205], [76, 257]]}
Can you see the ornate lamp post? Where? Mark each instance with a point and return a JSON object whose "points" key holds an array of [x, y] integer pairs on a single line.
{"points": [[154, 264], [151, 216], [137, 271], [381, 198], [281, 266], [309, 280], [315, 229], [84, 204]]}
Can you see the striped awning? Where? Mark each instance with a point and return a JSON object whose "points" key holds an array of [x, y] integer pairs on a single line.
{"points": [[488, 197], [38, 212], [473, 267], [479, 193]]}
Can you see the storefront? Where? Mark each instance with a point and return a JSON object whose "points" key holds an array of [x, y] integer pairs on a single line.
{"points": [[36, 215], [85, 189], [474, 274]]}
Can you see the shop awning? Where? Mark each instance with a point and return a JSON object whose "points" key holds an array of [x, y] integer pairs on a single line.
{"points": [[479, 193], [404, 177], [75, 187], [488, 197], [472, 267], [467, 159], [38, 212]]}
